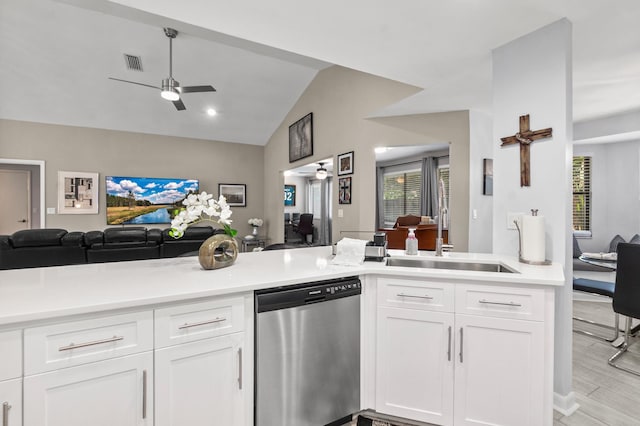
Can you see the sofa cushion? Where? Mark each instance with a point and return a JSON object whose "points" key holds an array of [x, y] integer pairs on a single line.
{"points": [[199, 233], [635, 239], [118, 235], [122, 245], [73, 239], [576, 248], [4, 243], [613, 245], [93, 237], [37, 237]]}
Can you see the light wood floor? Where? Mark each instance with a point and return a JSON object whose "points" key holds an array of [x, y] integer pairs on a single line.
{"points": [[607, 396]]}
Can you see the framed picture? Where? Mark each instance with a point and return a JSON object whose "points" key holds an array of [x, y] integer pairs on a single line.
{"points": [[301, 138], [235, 193], [345, 163], [289, 195], [344, 195], [77, 193], [487, 176]]}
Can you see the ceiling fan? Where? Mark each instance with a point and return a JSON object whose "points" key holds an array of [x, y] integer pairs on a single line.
{"points": [[171, 89]]}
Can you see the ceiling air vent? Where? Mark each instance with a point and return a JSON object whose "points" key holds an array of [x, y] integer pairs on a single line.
{"points": [[133, 62]]}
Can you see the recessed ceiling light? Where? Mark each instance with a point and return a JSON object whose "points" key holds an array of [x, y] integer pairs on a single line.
{"points": [[212, 112]]}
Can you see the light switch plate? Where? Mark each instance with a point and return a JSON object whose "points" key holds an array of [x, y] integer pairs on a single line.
{"points": [[512, 217], [340, 213], [51, 210]]}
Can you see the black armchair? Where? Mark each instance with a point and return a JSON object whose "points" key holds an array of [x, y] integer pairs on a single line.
{"points": [[305, 226]]}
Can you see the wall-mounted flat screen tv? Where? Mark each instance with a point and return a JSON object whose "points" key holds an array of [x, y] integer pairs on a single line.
{"points": [[142, 200]]}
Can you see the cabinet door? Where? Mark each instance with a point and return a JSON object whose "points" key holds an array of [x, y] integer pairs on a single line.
{"points": [[105, 393], [11, 402], [414, 369], [200, 383], [499, 376]]}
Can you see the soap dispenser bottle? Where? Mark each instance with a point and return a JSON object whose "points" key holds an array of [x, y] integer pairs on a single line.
{"points": [[411, 243]]}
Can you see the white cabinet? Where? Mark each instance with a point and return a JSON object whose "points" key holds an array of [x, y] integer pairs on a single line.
{"points": [[11, 402], [415, 364], [499, 371], [200, 383], [112, 392], [201, 364], [463, 354]]}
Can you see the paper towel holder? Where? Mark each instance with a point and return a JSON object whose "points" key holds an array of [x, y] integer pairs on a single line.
{"points": [[520, 259]]}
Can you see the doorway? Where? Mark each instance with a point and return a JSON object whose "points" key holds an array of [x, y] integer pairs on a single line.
{"points": [[16, 193], [308, 189]]}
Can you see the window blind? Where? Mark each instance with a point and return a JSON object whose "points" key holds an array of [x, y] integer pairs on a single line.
{"points": [[581, 193], [401, 192], [443, 175]]}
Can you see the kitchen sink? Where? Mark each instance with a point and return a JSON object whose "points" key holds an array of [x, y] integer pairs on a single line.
{"points": [[446, 264]]}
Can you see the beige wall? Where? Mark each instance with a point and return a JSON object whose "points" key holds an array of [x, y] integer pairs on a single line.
{"points": [[133, 154], [341, 100]]}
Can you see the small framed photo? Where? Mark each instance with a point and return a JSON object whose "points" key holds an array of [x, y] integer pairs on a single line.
{"points": [[345, 163], [301, 138], [289, 195], [77, 193], [235, 193], [344, 187]]}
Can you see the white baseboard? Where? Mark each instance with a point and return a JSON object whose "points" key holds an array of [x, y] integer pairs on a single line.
{"points": [[565, 404]]}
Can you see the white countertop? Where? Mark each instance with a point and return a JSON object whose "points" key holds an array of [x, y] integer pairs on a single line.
{"points": [[44, 293]]}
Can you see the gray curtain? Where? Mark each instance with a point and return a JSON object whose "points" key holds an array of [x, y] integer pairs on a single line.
{"points": [[429, 186]]}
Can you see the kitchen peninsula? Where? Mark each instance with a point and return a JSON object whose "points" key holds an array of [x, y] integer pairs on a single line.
{"points": [[128, 342]]}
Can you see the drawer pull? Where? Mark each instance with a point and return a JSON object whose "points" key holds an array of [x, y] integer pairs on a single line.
{"points": [[240, 368], [95, 342], [487, 302], [461, 344], [5, 414], [449, 349], [414, 296], [197, 324]]}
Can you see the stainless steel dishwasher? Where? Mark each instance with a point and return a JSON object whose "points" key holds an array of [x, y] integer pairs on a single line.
{"points": [[308, 354]]}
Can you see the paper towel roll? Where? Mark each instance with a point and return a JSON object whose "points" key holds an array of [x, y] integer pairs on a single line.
{"points": [[533, 239]]}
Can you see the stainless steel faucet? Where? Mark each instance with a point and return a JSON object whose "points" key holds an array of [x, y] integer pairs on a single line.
{"points": [[442, 211]]}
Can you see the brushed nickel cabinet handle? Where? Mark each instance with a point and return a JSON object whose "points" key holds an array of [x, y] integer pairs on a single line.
{"points": [[488, 302], [95, 342], [5, 413], [414, 296], [461, 344], [240, 368], [449, 347], [197, 324], [144, 394]]}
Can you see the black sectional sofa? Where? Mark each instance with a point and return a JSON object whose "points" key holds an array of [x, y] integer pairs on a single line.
{"points": [[34, 248]]}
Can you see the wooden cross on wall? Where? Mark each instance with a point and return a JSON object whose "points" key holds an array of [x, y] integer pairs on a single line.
{"points": [[524, 137]]}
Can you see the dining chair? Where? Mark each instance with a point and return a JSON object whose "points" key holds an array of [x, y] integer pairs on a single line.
{"points": [[601, 288], [626, 297]]}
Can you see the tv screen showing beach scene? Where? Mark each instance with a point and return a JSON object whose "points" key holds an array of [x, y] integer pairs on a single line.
{"points": [[143, 200]]}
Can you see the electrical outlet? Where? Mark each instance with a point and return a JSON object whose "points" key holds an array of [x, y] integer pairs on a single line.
{"points": [[340, 213], [474, 213], [512, 217]]}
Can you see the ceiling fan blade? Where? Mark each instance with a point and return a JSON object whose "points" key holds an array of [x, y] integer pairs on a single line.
{"points": [[179, 105], [135, 82], [194, 89]]}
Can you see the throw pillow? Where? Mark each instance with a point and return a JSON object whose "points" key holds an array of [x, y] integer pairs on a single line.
{"points": [[613, 245], [576, 248], [635, 239]]}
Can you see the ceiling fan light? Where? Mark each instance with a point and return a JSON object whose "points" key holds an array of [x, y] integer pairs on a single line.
{"points": [[170, 94], [321, 173]]}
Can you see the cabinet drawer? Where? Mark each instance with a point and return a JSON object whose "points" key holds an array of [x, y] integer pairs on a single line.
{"points": [[415, 294], [73, 343], [196, 321], [11, 344], [502, 302]]}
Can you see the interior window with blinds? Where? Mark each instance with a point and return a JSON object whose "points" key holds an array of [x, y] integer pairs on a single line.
{"points": [[582, 196], [402, 187]]}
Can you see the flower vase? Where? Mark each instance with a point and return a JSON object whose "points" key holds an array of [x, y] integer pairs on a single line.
{"points": [[255, 231], [218, 251]]}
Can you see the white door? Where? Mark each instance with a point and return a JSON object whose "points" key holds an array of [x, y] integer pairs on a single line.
{"points": [[11, 402], [414, 370], [15, 198], [117, 391], [499, 376], [200, 383]]}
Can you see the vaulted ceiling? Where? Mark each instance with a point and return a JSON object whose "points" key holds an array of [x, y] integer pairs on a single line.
{"points": [[56, 57]]}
